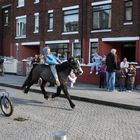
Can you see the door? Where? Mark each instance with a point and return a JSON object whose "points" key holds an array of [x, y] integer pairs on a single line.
{"points": [[128, 51]]}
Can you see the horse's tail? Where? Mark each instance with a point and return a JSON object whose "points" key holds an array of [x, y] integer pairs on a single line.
{"points": [[28, 79]]}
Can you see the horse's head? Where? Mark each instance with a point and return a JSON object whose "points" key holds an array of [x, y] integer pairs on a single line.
{"points": [[75, 65]]}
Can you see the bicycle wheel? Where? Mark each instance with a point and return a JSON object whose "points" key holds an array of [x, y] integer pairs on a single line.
{"points": [[6, 106]]}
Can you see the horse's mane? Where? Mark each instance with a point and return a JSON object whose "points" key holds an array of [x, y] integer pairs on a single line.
{"points": [[63, 66]]}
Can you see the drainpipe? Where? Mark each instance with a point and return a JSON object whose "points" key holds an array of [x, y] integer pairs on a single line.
{"points": [[81, 34], [17, 51], [83, 29]]}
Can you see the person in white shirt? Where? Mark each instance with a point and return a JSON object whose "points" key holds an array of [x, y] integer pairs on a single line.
{"points": [[124, 64], [72, 77]]}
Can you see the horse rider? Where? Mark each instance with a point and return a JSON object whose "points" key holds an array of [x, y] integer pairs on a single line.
{"points": [[51, 60]]}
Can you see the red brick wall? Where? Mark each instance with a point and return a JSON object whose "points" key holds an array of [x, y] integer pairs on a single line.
{"points": [[27, 51], [88, 78], [118, 29]]}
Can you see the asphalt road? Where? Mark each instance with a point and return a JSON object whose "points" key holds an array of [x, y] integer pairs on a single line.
{"points": [[87, 121]]}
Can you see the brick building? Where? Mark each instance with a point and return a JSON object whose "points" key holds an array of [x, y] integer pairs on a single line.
{"points": [[78, 28]]}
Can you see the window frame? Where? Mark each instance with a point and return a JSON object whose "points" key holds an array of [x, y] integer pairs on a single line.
{"points": [[36, 1], [79, 56], [36, 22], [59, 50], [50, 20], [70, 14], [96, 48], [125, 10], [101, 12], [20, 20], [21, 3], [6, 17]]}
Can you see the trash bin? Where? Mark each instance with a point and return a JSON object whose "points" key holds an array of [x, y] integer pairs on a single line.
{"points": [[10, 65], [20, 68], [24, 61]]}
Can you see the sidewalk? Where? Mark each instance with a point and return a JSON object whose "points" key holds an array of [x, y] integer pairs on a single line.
{"points": [[84, 92]]}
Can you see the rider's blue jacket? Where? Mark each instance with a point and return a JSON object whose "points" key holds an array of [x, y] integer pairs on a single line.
{"points": [[50, 58]]}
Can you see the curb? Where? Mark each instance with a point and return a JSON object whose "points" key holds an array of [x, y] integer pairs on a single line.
{"points": [[95, 101]]}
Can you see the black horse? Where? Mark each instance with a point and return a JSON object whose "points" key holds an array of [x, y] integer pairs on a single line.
{"points": [[45, 73]]}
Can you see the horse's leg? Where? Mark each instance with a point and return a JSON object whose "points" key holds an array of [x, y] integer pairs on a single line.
{"points": [[28, 79], [43, 89], [57, 93], [65, 90], [28, 86]]}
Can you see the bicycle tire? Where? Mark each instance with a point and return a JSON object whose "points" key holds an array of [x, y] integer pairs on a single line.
{"points": [[6, 106]]}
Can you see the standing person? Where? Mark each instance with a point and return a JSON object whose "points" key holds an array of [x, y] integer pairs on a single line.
{"points": [[96, 61], [122, 78], [131, 77], [51, 60], [72, 77], [35, 60], [102, 73], [124, 65], [42, 59], [111, 63], [104, 58]]}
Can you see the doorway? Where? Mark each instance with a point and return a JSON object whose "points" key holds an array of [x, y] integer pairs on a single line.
{"points": [[128, 51]]}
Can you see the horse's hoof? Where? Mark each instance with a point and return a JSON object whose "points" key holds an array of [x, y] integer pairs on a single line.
{"points": [[55, 95], [25, 91], [72, 106], [46, 97]]}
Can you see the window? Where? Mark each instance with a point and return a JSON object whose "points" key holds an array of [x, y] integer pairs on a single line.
{"points": [[21, 26], [128, 10], [77, 51], [93, 50], [6, 18], [50, 16], [71, 20], [20, 3], [59, 50], [36, 30], [36, 1], [102, 17]]}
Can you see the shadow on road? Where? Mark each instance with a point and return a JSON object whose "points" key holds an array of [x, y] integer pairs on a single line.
{"points": [[36, 103]]}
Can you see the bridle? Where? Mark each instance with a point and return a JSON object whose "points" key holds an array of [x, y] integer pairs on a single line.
{"points": [[75, 65]]}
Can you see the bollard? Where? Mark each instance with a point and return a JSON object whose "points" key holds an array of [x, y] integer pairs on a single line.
{"points": [[59, 135]]}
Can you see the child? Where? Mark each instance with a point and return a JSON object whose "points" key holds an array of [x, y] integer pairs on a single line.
{"points": [[42, 59], [122, 77], [51, 60], [102, 73], [131, 77], [72, 77], [96, 61]]}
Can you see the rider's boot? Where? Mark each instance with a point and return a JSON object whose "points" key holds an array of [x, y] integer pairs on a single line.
{"points": [[57, 82]]}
